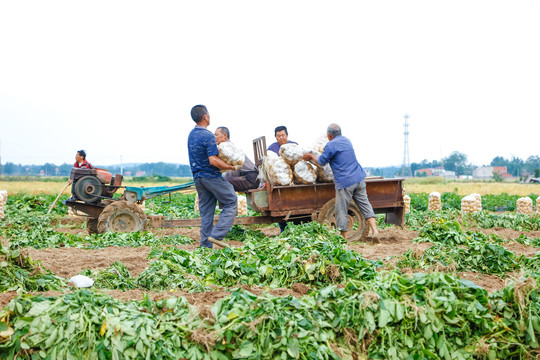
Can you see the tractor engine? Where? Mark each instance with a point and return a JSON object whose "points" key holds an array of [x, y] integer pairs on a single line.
{"points": [[93, 185]]}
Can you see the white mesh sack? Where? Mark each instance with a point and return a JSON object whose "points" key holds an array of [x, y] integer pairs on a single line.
{"points": [[304, 173], [241, 200], [291, 153], [468, 204], [319, 144], [278, 171], [325, 174], [407, 203], [435, 201], [231, 154], [242, 204], [478, 203], [524, 205]]}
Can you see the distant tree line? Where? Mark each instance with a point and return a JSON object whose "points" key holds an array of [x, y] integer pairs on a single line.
{"points": [[49, 169], [458, 162]]}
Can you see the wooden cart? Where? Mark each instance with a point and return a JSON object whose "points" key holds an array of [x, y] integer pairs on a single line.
{"points": [[310, 202]]}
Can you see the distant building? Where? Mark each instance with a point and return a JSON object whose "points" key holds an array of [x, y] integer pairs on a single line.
{"points": [[486, 172], [436, 172], [140, 173], [420, 172]]}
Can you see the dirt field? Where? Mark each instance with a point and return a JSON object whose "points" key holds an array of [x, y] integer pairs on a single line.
{"points": [[68, 262]]}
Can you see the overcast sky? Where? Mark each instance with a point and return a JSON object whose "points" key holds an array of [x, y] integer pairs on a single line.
{"points": [[118, 78]]}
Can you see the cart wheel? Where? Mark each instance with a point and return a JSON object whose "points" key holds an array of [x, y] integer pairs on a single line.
{"points": [[327, 215], [121, 216], [92, 225]]}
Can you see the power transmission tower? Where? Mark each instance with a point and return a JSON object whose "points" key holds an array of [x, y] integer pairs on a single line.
{"points": [[406, 167]]}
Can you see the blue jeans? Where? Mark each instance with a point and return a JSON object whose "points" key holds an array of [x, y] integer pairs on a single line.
{"points": [[210, 191]]}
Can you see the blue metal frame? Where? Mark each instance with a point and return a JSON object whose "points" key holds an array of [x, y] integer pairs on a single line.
{"points": [[145, 193]]}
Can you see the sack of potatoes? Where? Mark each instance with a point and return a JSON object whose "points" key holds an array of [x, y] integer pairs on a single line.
{"points": [[435, 201], [524, 205], [304, 173], [231, 154], [291, 153]]}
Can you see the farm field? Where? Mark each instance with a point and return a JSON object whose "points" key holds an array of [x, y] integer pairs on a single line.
{"points": [[446, 286], [53, 185]]}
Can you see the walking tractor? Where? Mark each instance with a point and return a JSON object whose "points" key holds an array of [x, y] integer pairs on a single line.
{"points": [[93, 191]]}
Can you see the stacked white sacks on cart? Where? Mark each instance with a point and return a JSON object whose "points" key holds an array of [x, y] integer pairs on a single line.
{"points": [[524, 205], [3, 201], [434, 201], [407, 203], [242, 204], [231, 154], [289, 167]]}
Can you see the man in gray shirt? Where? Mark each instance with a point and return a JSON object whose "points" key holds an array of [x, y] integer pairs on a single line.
{"points": [[244, 178]]}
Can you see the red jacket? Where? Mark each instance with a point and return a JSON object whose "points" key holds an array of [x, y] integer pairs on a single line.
{"points": [[84, 165]]}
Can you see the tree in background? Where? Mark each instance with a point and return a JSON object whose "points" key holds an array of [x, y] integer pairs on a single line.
{"points": [[514, 167], [532, 165], [458, 162], [424, 164], [497, 177]]}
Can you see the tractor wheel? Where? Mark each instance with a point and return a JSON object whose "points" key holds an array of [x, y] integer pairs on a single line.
{"points": [[327, 215], [121, 216], [92, 225]]}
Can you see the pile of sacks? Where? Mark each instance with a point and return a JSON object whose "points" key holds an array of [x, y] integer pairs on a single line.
{"points": [[3, 201], [434, 201], [289, 167], [407, 203], [471, 203], [231, 154], [242, 204], [524, 205]]}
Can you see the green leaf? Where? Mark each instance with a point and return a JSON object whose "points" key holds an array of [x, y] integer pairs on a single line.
{"points": [[245, 349], [293, 348]]}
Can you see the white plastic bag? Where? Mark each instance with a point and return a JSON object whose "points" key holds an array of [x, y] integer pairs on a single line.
{"points": [[81, 281]]}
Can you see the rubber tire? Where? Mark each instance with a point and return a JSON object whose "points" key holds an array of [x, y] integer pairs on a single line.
{"points": [[92, 225], [122, 216], [327, 215]]}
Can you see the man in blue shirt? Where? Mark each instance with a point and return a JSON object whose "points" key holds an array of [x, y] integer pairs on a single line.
{"points": [[282, 137], [348, 178], [210, 184]]}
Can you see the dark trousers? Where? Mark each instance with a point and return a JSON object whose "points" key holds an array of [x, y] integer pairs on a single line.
{"points": [[210, 191]]}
